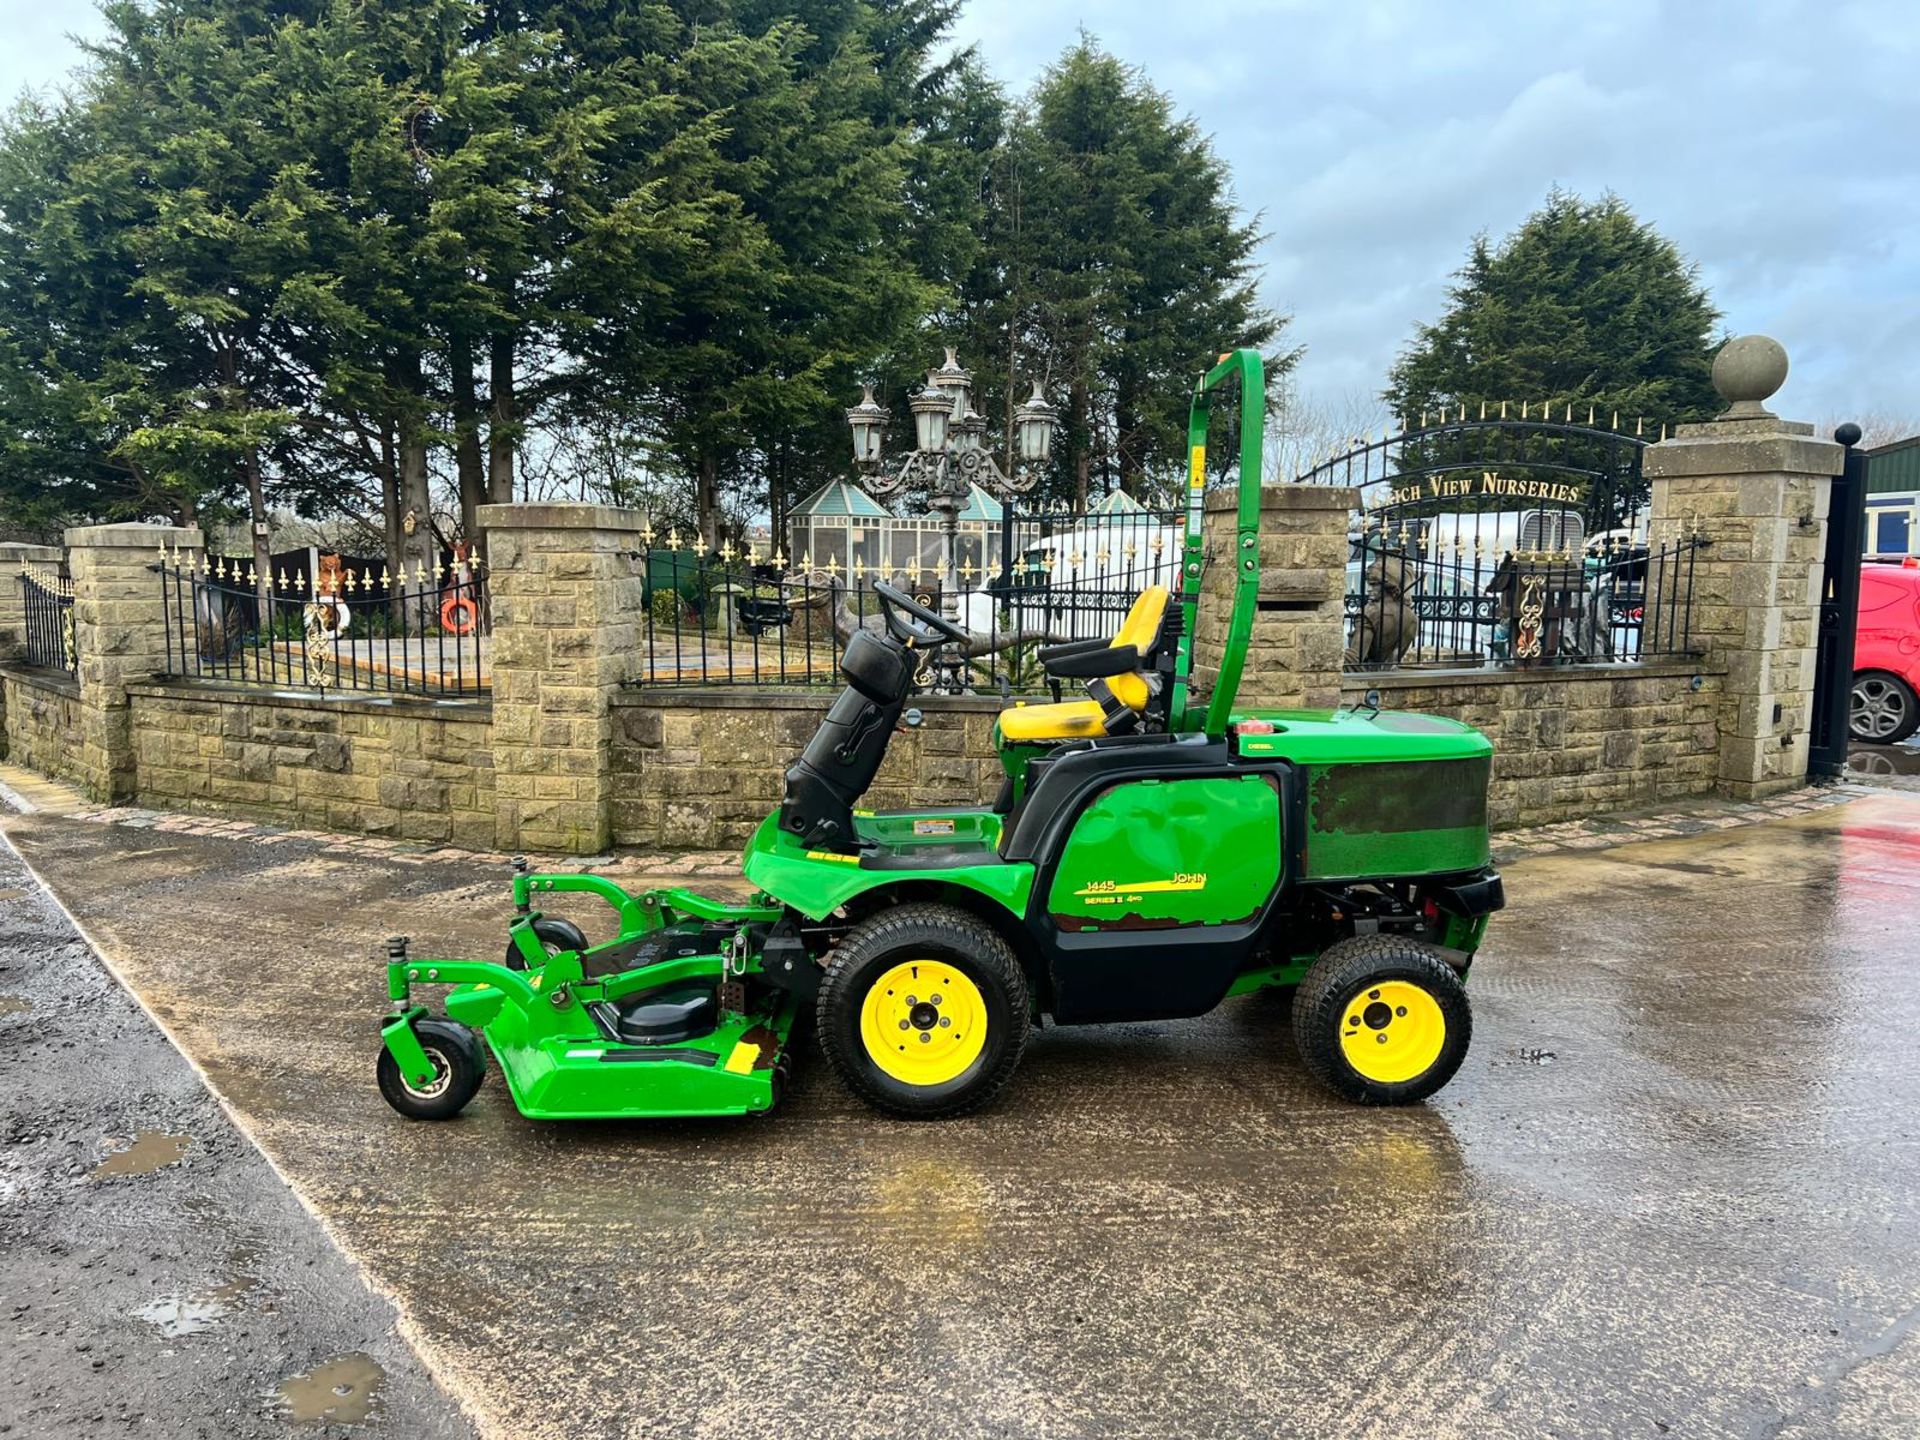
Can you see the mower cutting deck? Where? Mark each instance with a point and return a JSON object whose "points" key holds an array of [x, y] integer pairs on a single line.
{"points": [[1147, 858]]}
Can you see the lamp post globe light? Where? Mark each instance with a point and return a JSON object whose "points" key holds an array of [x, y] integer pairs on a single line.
{"points": [[950, 455]]}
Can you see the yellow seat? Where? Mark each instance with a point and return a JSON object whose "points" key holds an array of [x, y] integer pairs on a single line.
{"points": [[1084, 719], [1068, 720]]}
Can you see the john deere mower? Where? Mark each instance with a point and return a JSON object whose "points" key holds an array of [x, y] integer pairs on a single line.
{"points": [[1148, 857]]}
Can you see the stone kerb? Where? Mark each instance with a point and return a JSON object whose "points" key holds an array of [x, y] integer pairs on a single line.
{"points": [[567, 621], [1756, 488], [120, 637]]}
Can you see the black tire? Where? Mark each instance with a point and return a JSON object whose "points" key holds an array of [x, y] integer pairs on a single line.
{"points": [[554, 935], [1324, 1012], [1882, 710], [459, 1066], [948, 941]]}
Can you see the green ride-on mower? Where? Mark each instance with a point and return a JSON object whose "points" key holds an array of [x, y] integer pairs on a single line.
{"points": [[1148, 857]]}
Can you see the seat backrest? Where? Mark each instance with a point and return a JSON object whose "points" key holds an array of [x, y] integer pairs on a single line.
{"points": [[1141, 629]]}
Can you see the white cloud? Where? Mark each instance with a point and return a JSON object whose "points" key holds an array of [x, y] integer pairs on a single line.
{"points": [[1775, 143]]}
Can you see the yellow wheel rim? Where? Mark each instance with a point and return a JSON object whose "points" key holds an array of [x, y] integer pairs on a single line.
{"points": [[923, 1022], [1392, 1032]]}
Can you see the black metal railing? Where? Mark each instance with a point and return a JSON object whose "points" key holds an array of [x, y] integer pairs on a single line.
{"points": [[720, 620], [419, 632], [47, 620], [1409, 606]]}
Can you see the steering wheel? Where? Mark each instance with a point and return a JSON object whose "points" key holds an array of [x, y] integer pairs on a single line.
{"points": [[931, 629]]}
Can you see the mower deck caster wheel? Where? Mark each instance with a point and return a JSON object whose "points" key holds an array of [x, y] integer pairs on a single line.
{"points": [[554, 935], [459, 1065]]}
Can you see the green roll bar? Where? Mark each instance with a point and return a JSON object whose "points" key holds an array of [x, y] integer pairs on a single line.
{"points": [[1245, 559]]}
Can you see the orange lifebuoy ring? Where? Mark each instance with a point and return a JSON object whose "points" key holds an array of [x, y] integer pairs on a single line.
{"points": [[468, 612]]}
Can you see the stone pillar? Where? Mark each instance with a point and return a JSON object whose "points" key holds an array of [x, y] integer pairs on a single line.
{"points": [[1295, 651], [1756, 487], [120, 635], [14, 558], [567, 622]]}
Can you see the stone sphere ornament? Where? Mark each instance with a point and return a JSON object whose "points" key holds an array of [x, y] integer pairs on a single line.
{"points": [[1748, 370]]}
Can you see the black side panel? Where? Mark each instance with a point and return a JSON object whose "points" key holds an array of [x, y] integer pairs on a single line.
{"points": [[1158, 975]]}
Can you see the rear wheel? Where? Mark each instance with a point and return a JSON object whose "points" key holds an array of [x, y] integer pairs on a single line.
{"points": [[923, 1011], [459, 1065], [1884, 710], [1382, 1020]]}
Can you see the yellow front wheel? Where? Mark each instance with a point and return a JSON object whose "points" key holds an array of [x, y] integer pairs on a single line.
{"points": [[1382, 1019], [923, 1022], [923, 1010]]}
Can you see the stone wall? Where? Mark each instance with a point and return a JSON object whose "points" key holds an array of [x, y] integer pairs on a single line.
{"points": [[699, 769], [120, 636], [405, 769], [1573, 742], [1757, 489], [1298, 635], [43, 725], [567, 610]]}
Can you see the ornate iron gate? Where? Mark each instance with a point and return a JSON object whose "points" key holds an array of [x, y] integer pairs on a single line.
{"points": [[1491, 539]]}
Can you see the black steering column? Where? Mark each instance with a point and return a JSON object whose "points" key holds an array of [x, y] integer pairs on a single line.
{"points": [[844, 755]]}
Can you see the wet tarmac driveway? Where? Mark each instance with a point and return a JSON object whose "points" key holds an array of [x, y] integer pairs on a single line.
{"points": [[1672, 1192]]}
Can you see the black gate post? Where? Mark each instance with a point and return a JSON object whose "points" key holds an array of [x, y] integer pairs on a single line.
{"points": [[1839, 610]]}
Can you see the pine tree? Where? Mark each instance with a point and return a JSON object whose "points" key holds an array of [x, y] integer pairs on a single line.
{"points": [[1584, 305]]}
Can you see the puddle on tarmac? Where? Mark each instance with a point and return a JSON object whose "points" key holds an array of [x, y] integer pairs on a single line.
{"points": [[14, 1005], [174, 1318], [340, 1392], [151, 1150]]}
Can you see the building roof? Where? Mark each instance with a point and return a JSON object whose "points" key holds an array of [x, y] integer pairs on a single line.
{"points": [[840, 497], [1119, 503], [981, 506], [1894, 468]]}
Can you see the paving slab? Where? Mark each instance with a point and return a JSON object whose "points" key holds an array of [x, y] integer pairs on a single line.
{"points": [[1672, 1191]]}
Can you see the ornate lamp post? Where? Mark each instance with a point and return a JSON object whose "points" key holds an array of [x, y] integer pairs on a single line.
{"points": [[949, 456]]}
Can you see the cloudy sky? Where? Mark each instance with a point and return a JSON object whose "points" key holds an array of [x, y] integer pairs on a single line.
{"points": [[1777, 142]]}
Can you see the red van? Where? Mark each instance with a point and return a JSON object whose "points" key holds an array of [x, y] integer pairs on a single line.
{"points": [[1886, 653]]}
